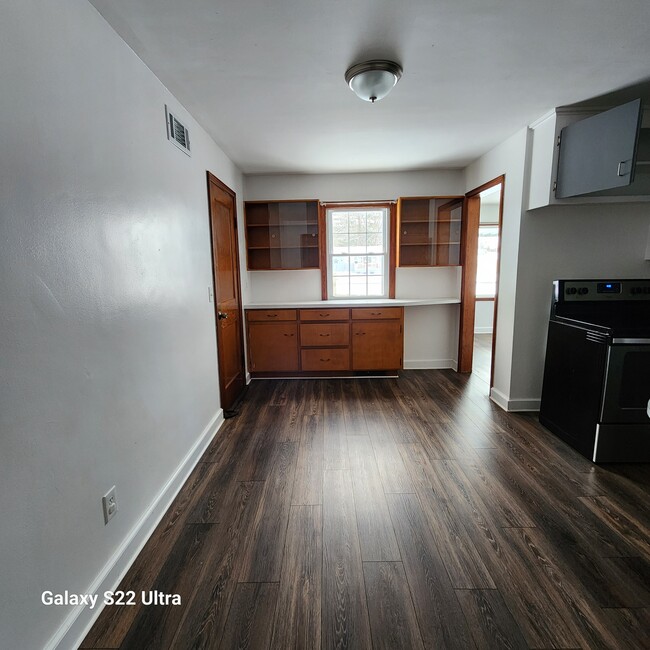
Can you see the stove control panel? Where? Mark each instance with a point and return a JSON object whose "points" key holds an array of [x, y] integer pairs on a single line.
{"points": [[601, 290]]}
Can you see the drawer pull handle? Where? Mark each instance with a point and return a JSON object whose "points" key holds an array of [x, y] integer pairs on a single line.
{"points": [[324, 335], [271, 315], [323, 315], [359, 333], [375, 313], [288, 334], [325, 359]]}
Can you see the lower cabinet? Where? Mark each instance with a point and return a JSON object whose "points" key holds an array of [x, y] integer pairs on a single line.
{"points": [[376, 345], [324, 342], [273, 347]]}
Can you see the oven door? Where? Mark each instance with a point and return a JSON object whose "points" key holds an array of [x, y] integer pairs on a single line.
{"points": [[626, 396]]}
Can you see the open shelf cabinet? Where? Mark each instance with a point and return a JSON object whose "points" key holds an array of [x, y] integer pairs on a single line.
{"points": [[282, 235], [429, 231]]}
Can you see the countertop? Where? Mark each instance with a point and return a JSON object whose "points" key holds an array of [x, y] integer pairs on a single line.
{"points": [[364, 302]]}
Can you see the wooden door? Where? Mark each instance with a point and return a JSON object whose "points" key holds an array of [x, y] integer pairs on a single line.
{"points": [[227, 298]]}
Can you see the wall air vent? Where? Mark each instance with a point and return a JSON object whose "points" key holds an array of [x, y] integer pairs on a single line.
{"points": [[177, 132]]}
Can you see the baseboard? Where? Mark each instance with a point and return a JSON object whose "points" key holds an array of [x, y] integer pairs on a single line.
{"points": [[429, 364], [513, 405], [482, 330], [77, 625]]}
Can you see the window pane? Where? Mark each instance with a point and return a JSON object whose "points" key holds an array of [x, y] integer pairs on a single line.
{"points": [[375, 221], [358, 243], [339, 222], [375, 264], [375, 242], [341, 286], [358, 286], [357, 222], [375, 285], [358, 265], [340, 243], [486, 268], [340, 265]]}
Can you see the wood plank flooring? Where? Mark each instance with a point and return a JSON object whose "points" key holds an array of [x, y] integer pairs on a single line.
{"points": [[392, 513]]}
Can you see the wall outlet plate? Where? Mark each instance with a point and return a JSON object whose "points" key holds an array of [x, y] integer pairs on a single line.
{"points": [[109, 505]]}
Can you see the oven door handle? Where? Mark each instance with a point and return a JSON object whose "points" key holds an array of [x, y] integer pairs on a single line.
{"points": [[648, 409], [631, 341]]}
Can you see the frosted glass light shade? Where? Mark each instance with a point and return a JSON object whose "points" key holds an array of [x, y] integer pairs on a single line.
{"points": [[373, 80]]}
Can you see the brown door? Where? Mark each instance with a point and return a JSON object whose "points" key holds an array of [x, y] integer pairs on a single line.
{"points": [[225, 267]]}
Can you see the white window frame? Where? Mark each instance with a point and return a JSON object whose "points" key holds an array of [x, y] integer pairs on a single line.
{"points": [[386, 254]]}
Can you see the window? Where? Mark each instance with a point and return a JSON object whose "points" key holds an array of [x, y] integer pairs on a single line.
{"points": [[358, 244], [488, 256]]}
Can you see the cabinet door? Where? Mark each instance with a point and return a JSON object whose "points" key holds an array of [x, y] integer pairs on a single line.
{"points": [[598, 153], [377, 345], [273, 347]]}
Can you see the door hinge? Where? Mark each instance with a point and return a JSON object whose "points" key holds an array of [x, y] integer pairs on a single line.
{"points": [[559, 140], [554, 187]]}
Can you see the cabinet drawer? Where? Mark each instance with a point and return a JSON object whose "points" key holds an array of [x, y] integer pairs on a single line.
{"points": [[376, 313], [270, 315], [321, 334], [325, 359], [324, 314]]}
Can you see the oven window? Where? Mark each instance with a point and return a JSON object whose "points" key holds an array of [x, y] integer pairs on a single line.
{"points": [[635, 380]]}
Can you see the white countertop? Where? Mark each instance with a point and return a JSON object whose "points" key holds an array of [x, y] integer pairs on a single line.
{"points": [[362, 302]]}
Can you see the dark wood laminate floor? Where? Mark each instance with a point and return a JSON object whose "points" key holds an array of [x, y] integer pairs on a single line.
{"points": [[392, 513]]}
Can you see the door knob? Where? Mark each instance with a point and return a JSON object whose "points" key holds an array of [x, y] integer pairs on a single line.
{"points": [[648, 409], [221, 315]]}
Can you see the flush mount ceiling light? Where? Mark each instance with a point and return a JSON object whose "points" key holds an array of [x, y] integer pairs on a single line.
{"points": [[373, 80]]}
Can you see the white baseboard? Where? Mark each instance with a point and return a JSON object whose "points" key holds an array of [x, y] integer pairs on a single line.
{"points": [[482, 330], [429, 364], [513, 405], [77, 625]]}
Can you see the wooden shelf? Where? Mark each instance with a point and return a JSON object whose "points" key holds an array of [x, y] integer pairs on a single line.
{"points": [[436, 219], [282, 235]]}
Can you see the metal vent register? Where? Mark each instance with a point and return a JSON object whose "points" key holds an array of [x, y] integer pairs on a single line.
{"points": [[177, 132]]}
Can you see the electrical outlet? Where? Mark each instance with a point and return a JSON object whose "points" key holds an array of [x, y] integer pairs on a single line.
{"points": [[109, 505]]}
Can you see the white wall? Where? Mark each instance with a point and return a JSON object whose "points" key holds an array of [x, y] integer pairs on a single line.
{"points": [[576, 241], [539, 246], [430, 333], [108, 354], [508, 158]]}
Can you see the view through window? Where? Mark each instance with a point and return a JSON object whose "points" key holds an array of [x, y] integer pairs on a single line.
{"points": [[357, 252]]}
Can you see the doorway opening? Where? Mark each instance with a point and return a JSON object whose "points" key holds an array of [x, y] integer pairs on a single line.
{"points": [[481, 253]]}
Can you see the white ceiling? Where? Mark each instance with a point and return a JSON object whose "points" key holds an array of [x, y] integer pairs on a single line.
{"points": [[265, 77]]}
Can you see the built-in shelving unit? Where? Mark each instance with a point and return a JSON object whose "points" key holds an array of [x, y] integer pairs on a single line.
{"points": [[429, 230], [282, 235]]}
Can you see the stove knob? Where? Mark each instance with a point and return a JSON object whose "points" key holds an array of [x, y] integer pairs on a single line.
{"points": [[571, 291], [582, 291], [635, 290], [646, 289]]}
